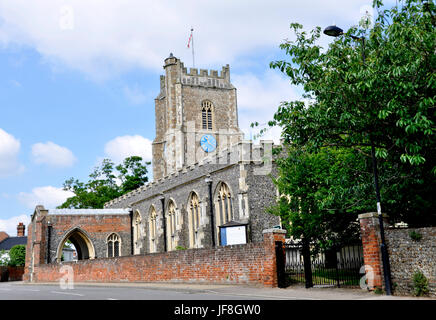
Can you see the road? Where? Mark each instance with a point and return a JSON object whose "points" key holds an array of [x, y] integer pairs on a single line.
{"points": [[191, 301], [12, 291], [153, 291]]}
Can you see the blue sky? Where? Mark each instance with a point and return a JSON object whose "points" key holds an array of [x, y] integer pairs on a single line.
{"points": [[78, 78]]}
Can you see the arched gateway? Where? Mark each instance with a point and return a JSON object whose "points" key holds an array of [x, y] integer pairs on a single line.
{"points": [[82, 243]]}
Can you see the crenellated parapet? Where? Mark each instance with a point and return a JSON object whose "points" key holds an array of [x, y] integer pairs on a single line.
{"points": [[195, 77], [206, 78]]}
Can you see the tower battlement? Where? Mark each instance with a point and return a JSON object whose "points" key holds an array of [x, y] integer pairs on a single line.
{"points": [[206, 78], [196, 77], [224, 74]]}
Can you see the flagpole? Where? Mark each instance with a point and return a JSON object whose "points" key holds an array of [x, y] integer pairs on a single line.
{"points": [[193, 57]]}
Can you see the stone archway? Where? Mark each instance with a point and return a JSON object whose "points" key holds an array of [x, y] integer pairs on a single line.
{"points": [[82, 243]]}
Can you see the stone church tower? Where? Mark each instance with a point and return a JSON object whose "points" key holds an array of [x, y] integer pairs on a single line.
{"points": [[196, 116]]}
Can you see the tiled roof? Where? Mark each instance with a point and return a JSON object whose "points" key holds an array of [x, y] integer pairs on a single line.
{"points": [[3, 235], [87, 211], [8, 243]]}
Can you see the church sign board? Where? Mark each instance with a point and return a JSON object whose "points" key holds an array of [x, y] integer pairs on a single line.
{"points": [[233, 232]]}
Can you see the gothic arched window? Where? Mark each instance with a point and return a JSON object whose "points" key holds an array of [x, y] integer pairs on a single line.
{"points": [[113, 245], [136, 232], [152, 230], [194, 220], [206, 114], [223, 204], [171, 225]]}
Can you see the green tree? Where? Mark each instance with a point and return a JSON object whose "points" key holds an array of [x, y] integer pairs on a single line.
{"points": [[388, 100], [322, 193], [133, 174], [17, 255], [102, 185]]}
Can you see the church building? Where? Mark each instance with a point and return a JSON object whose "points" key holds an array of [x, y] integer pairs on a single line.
{"points": [[207, 182]]}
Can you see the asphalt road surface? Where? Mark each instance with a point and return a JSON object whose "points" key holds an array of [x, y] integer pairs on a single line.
{"points": [[21, 291], [164, 291]]}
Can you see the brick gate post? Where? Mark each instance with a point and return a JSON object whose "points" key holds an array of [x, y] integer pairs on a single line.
{"points": [[371, 240], [270, 236], [36, 248]]}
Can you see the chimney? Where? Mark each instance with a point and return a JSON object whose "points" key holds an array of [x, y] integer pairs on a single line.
{"points": [[21, 229]]}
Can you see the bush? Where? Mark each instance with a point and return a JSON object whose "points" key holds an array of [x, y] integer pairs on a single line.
{"points": [[415, 235], [17, 255], [420, 284]]}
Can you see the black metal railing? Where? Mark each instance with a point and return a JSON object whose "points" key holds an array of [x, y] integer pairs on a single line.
{"points": [[339, 267]]}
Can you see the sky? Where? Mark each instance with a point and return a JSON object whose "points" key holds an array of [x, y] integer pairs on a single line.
{"points": [[78, 79]]}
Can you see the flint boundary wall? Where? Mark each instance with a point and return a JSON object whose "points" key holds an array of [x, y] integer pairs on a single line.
{"points": [[252, 264], [406, 256]]}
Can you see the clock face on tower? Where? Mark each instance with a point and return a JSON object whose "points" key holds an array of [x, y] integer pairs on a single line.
{"points": [[208, 143]]}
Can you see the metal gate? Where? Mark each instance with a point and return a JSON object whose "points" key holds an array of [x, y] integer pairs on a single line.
{"points": [[337, 267]]}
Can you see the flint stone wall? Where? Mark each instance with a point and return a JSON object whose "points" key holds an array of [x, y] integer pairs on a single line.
{"points": [[407, 256]]}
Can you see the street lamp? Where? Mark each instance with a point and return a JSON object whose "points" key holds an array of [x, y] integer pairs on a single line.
{"points": [[334, 31], [208, 180], [162, 200]]}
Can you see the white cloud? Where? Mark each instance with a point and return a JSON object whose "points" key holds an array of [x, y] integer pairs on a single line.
{"points": [[48, 196], [9, 148], [135, 95], [258, 100], [125, 146], [52, 154], [102, 37], [10, 225]]}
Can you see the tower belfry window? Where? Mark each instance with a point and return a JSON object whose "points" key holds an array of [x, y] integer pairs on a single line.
{"points": [[206, 114]]}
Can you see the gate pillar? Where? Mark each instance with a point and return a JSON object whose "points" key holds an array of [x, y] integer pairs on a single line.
{"points": [[370, 234], [270, 238]]}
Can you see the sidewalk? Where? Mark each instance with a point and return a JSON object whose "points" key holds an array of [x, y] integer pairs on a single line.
{"points": [[292, 292]]}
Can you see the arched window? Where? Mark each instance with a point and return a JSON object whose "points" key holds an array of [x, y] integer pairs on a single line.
{"points": [[194, 220], [136, 232], [113, 245], [223, 204], [171, 225], [152, 230], [206, 114]]}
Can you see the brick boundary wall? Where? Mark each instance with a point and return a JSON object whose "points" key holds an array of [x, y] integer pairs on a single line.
{"points": [[252, 263], [406, 256], [8, 273]]}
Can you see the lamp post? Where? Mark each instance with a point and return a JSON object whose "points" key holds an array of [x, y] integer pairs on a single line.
{"points": [[334, 31], [208, 180], [162, 200]]}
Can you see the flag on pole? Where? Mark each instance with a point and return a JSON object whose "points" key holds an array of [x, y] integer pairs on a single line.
{"points": [[190, 38]]}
